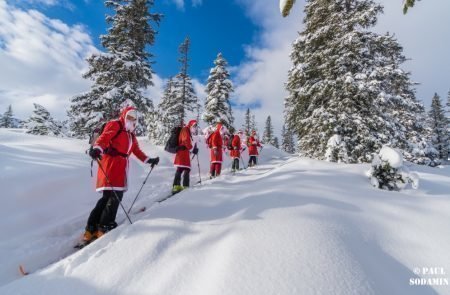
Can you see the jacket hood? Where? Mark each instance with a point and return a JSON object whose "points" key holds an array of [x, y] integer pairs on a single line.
{"points": [[125, 111], [191, 123], [219, 127]]}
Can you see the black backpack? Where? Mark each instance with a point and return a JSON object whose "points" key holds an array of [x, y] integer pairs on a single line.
{"points": [[172, 142], [230, 143]]}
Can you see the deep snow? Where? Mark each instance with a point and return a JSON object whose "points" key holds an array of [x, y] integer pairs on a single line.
{"points": [[288, 226]]}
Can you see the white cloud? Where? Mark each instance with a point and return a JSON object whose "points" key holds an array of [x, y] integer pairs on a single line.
{"points": [[424, 34], [63, 3], [46, 2], [156, 91], [42, 61], [180, 4], [259, 80], [196, 3]]}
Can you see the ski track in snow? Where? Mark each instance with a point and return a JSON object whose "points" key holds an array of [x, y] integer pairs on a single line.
{"points": [[288, 226]]}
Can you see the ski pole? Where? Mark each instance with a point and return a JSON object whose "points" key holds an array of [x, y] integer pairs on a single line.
{"points": [[117, 197], [243, 163], [132, 204], [199, 175]]}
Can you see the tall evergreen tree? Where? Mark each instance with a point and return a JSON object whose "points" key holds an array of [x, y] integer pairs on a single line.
{"points": [[7, 120], [218, 90], [253, 124], [275, 142], [287, 140], [41, 123], [247, 122], [123, 72], [157, 132], [167, 116], [268, 131], [439, 128], [343, 93], [186, 100], [448, 105]]}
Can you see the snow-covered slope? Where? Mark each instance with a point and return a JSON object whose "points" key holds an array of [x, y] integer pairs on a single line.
{"points": [[287, 226]]}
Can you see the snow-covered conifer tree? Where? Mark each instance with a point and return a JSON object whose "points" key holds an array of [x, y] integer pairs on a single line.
{"points": [[218, 90], [186, 101], [346, 88], [275, 142], [167, 115], [268, 131], [121, 73], [41, 123], [287, 140], [253, 124], [247, 122], [7, 120], [439, 128], [448, 106]]}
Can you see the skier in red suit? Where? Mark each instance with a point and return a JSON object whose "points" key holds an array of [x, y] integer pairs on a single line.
{"points": [[235, 153], [253, 144], [182, 158], [112, 150], [216, 146]]}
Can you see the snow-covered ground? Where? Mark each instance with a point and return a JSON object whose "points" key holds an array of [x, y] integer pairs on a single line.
{"points": [[288, 226]]}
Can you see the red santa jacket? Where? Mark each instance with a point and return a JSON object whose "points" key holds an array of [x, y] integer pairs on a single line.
{"points": [[253, 144], [236, 147], [182, 158], [216, 143], [124, 144]]}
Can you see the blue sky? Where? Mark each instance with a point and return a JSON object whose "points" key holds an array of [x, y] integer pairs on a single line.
{"points": [[44, 43], [200, 21]]}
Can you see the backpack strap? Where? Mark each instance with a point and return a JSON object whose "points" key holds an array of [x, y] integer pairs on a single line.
{"points": [[120, 129]]}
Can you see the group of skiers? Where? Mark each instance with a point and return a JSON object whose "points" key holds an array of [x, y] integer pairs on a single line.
{"points": [[117, 141]]}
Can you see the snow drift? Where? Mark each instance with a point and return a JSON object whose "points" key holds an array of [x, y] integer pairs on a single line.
{"points": [[288, 226]]}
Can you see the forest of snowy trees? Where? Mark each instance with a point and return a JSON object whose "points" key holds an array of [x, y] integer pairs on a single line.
{"points": [[347, 92]]}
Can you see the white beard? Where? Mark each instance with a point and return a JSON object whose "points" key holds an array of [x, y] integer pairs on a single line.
{"points": [[130, 126]]}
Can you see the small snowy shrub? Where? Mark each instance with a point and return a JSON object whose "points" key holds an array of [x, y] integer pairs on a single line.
{"points": [[388, 172]]}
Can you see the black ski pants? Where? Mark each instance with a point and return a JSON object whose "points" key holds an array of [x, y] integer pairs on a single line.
{"points": [[177, 180], [235, 164], [103, 216], [252, 161]]}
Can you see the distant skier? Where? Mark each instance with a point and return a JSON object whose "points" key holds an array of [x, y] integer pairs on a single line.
{"points": [[235, 153], [215, 143], [112, 149], [253, 144], [182, 158]]}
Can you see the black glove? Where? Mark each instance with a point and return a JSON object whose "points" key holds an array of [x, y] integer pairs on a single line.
{"points": [[153, 161], [195, 150], [95, 153], [181, 148]]}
